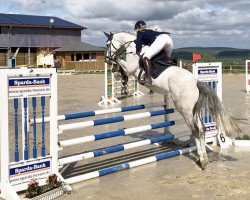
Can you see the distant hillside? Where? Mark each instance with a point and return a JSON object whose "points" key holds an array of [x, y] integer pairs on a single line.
{"points": [[207, 48], [226, 55]]}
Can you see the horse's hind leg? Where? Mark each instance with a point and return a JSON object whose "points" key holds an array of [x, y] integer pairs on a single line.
{"points": [[198, 132]]}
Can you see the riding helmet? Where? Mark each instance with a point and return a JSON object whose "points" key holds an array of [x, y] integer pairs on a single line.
{"points": [[140, 25]]}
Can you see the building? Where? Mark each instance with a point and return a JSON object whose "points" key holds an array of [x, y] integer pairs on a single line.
{"points": [[28, 36], [81, 57]]}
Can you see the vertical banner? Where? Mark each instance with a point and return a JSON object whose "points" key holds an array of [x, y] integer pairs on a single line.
{"points": [[211, 74]]}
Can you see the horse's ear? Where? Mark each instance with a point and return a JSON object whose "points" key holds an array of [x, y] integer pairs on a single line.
{"points": [[109, 36]]}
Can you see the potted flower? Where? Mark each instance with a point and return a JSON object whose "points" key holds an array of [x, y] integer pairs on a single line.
{"points": [[51, 190]]}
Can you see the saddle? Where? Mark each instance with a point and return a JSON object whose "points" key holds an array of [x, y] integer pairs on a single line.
{"points": [[160, 62]]}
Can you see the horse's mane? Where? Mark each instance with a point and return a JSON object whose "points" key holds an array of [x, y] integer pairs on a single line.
{"points": [[131, 34]]}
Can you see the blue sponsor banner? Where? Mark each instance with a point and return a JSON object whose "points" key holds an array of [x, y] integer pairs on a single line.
{"points": [[18, 82], [23, 173], [211, 128], [29, 86], [208, 74], [207, 71], [28, 168]]}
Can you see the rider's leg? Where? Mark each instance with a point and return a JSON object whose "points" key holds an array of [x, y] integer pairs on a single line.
{"points": [[163, 41], [168, 47], [147, 65]]}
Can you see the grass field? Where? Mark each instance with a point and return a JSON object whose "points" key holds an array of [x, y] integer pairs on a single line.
{"points": [[230, 57]]}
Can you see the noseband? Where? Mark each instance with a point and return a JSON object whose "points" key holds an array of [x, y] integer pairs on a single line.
{"points": [[118, 51]]}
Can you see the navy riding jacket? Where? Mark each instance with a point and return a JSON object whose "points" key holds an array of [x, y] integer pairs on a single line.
{"points": [[146, 37]]}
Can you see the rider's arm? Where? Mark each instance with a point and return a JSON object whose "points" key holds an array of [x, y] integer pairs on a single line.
{"points": [[138, 42]]}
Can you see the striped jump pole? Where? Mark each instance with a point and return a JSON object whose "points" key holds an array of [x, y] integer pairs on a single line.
{"points": [[130, 165], [100, 112], [119, 147], [110, 120], [120, 132], [114, 149]]}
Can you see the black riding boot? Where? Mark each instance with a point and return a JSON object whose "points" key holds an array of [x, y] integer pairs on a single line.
{"points": [[147, 66]]}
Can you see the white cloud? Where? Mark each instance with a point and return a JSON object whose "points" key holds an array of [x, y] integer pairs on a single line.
{"points": [[191, 22], [32, 5]]}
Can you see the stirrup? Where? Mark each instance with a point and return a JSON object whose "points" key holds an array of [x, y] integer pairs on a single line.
{"points": [[148, 81], [145, 81], [142, 81]]}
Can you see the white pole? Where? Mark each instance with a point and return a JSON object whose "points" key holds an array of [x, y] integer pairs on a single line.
{"points": [[180, 64], [113, 85], [219, 83], [106, 80], [53, 122], [4, 132]]}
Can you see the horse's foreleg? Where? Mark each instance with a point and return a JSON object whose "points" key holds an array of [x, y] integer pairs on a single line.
{"points": [[201, 144], [199, 137], [201, 150]]}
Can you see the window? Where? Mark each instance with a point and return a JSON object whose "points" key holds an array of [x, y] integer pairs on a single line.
{"points": [[86, 56], [78, 57], [3, 50], [21, 50], [32, 50], [72, 57], [83, 57], [93, 56]]}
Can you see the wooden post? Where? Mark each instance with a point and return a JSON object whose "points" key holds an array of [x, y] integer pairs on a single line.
{"points": [[29, 63]]}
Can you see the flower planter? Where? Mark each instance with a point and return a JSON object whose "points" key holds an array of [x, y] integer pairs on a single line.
{"points": [[52, 194]]}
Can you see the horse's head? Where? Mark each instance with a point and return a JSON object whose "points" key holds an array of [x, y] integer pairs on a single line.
{"points": [[120, 50], [110, 55], [118, 46]]}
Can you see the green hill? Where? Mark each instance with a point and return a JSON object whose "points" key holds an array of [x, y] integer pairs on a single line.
{"points": [[228, 56]]}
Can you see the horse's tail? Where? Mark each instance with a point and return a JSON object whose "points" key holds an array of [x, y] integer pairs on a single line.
{"points": [[208, 99]]}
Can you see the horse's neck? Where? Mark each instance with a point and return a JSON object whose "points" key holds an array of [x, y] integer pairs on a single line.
{"points": [[125, 37], [132, 67], [131, 64]]}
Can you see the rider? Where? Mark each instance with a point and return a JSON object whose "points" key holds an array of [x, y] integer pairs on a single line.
{"points": [[157, 42]]}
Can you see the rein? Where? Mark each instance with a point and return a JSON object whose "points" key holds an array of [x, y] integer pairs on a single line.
{"points": [[119, 51]]}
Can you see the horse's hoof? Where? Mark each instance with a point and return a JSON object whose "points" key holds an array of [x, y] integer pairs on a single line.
{"points": [[203, 163]]}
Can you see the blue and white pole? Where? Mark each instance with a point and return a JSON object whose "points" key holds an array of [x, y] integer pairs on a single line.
{"points": [[77, 115], [110, 120], [129, 165], [114, 149], [109, 134]]}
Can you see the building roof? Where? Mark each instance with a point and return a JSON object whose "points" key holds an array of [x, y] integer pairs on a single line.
{"points": [[79, 47], [36, 21]]}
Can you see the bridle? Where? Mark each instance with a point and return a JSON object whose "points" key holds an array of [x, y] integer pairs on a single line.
{"points": [[111, 58]]}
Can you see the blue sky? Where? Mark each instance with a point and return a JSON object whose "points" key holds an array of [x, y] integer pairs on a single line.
{"points": [[207, 23]]}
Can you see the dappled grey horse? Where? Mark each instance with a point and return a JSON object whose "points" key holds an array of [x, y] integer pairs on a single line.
{"points": [[189, 95]]}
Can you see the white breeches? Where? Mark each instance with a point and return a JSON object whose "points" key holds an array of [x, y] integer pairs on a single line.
{"points": [[163, 41]]}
